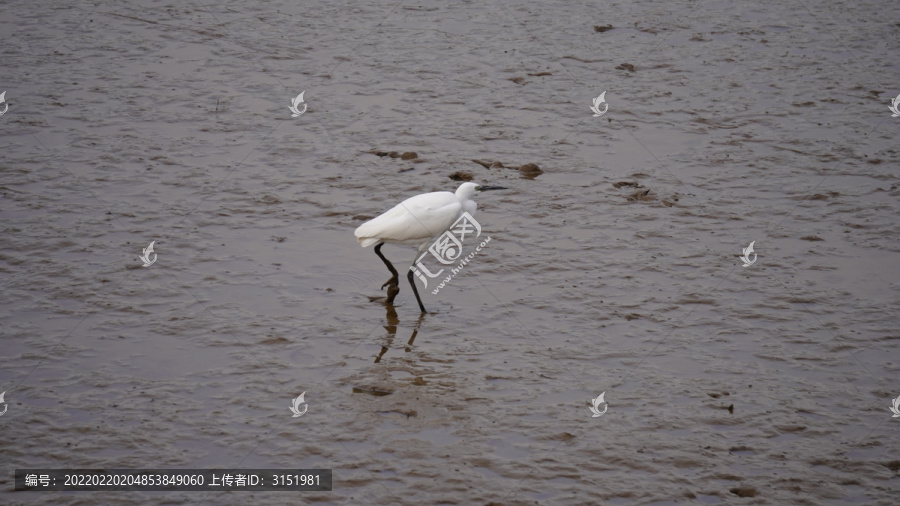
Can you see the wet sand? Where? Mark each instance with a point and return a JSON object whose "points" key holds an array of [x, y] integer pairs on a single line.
{"points": [[615, 270]]}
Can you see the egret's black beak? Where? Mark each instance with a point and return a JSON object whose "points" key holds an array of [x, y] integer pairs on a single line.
{"points": [[486, 188]]}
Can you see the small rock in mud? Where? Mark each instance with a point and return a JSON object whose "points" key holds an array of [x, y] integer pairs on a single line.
{"points": [[642, 195], [269, 199], [530, 170], [409, 155], [744, 491], [626, 66], [461, 176], [601, 29], [275, 340], [627, 183]]}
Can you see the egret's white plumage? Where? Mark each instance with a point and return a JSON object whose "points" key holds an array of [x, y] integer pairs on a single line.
{"points": [[417, 221]]}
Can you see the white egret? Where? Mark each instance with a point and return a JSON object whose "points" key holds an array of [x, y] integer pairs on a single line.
{"points": [[417, 221]]}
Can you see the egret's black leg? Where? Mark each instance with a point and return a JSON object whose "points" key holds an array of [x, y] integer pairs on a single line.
{"points": [[394, 282], [412, 283]]}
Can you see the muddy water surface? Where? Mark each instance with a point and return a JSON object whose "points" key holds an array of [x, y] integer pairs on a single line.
{"points": [[616, 270]]}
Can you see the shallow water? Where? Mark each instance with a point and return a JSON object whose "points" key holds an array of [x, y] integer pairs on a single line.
{"points": [[767, 122]]}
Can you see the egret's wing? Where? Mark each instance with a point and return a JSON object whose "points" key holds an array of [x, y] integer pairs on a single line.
{"points": [[413, 221]]}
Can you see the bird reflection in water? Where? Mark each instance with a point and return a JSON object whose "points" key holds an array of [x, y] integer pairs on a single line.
{"points": [[391, 327]]}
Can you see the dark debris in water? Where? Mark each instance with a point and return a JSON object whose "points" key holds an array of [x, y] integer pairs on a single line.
{"points": [[819, 196], [670, 202], [406, 155], [371, 391], [643, 194], [410, 413], [601, 29], [528, 171], [563, 436]]}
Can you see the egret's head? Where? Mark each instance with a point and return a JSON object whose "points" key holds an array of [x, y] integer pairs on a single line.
{"points": [[467, 190]]}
